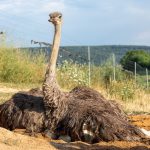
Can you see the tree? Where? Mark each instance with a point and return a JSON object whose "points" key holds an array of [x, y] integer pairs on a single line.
{"points": [[141, 57]]}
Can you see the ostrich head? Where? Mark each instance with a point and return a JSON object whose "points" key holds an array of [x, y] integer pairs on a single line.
{"points": [[55, 18]]}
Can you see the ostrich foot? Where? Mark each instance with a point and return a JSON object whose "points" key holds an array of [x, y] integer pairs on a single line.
{"points": [[56, 136], [32, 134], [50, 135]]}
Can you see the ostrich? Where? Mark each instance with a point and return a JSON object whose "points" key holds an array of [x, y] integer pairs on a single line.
{"points": [[82, 111], [77, 113], [25, 110]]}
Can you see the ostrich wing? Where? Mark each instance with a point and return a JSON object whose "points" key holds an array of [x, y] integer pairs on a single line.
{"points": [[23, 110]]}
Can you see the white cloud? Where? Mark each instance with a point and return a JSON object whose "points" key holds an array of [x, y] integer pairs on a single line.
{"points": [[14, 6], [83, 20], [137, 10], [145, 35], [53, 5], [141, 38], [4, 6], [32, 6]]}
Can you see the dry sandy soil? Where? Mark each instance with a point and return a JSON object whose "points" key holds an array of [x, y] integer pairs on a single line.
{"points": [[18, 141]]}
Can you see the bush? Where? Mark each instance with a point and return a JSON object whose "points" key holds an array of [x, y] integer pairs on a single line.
{"points": [[70, 74], [107, 73], [22, 66], [124, 90], [17, 66], [141, 57]]}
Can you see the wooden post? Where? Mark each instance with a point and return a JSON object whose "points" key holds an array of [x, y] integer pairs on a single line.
{"points": [[89, 65], [114, 68], [2, 38], [147, 82], [135, 71]]}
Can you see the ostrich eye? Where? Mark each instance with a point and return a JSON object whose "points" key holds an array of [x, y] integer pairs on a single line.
{"points": [[59, 17]]}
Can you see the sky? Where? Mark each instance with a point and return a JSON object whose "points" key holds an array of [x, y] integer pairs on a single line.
{"points": [[85, 22]]}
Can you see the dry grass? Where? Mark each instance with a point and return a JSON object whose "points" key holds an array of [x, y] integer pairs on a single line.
{"points": [[8, 89], [4, 97], [21, 66], [138, 105], [141, 103]]}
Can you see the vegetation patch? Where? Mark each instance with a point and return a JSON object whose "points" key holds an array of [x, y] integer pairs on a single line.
{"points": [[141, 57], [18, 66], [23, 69]]}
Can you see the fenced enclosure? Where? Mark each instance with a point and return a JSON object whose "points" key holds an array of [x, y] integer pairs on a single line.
{"points": [[101, 63], [95, 66]]}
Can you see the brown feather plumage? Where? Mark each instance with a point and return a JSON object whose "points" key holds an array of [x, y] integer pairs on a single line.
{"points": [[24, 110]]}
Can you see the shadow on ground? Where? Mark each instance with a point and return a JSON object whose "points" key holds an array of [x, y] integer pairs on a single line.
{"points": [[84, 146]]}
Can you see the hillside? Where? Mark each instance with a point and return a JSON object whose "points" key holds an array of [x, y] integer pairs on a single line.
{"points": [[99, 54]]}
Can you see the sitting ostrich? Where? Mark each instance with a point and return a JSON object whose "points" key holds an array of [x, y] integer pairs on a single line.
{"points": [[82, 111], [25, 110], [78, 113]]}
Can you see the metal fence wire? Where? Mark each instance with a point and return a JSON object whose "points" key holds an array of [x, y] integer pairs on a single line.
{"points": [[97, 56]]}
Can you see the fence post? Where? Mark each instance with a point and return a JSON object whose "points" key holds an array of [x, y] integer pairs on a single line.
{"points": [[114, 67], [2, 38], [89, 65], [135, 71], [147, 82]]}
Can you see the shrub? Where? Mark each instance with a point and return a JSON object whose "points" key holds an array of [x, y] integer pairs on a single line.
{"points": [[107, 73], [19, 66], [141, 57], [124, 90], [22, 66], [71, 74]]}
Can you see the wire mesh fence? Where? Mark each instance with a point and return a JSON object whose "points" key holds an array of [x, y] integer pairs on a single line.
{"points": [[95, 66], [102, 62]]}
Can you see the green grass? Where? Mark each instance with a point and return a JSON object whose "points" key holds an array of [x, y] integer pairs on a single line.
{"points": [[20, 66]]}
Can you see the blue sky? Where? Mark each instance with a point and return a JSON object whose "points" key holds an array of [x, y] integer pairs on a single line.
{"points": [[85, 22]]}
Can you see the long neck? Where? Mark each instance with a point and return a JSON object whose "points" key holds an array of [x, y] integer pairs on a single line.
{"points": [[50, 77], [55, 49], [51, 89]]}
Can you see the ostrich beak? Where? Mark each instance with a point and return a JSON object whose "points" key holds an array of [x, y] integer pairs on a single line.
{"points": [[49, 20]]}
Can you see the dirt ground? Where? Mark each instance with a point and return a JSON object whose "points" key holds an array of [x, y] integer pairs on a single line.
{"points": [[18, 141], [142, 121]]}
